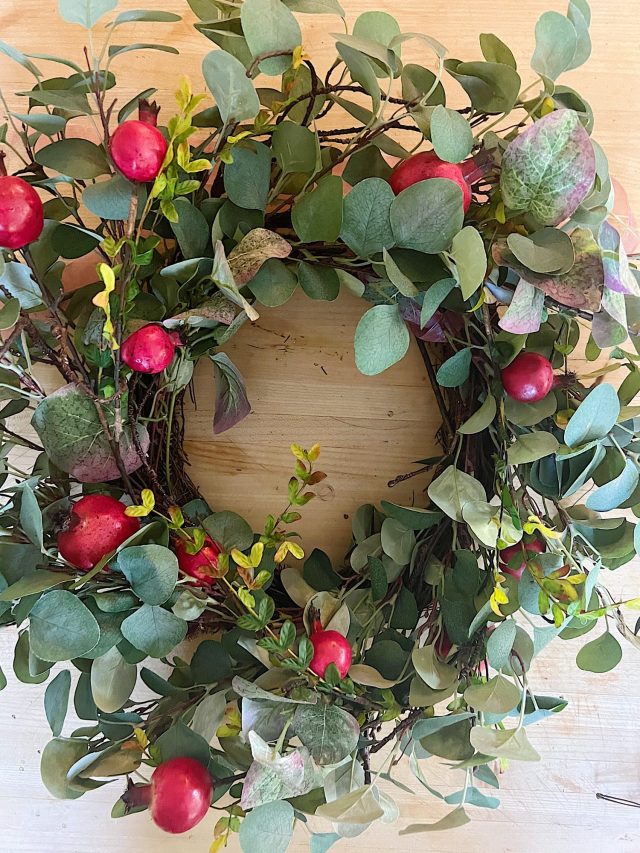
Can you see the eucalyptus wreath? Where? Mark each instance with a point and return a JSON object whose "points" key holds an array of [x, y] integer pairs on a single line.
{"points": [[494, 247]]}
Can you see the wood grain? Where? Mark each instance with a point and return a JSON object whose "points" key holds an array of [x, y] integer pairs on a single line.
{"points": [[303, 386]]}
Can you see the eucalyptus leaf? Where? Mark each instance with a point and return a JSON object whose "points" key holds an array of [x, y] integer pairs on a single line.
{"points": [[594, 417], [600, 655], [427, 215], [87, 13], [451, 134], [269, 26], [508, 743], [234, 93], [152, 571], [452, 489], [317, 216], [556, 43], [531, 446], [269, 825], [455, 370], [381, 340], [110, 199], [496, 696], [112, 681], [434, 297], [481, 418], [232, 403], [61, 627], [56, 701], [154, 630], [366, 225]]}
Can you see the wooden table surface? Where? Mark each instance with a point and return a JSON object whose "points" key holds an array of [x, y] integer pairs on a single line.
{"points": [[298, 364]]}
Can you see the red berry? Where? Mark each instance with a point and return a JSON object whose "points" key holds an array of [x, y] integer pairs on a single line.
{"points": [[138, 150], [178, 796], [203, 565], [528, 378], [149, 350], [427, 165], [330, 647], [21, 214], [96, 525], [522, 550]]}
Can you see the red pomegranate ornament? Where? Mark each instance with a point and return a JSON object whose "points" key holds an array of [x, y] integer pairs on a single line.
{"points": [[514, 559], [96, 526], [425, 165], [150, 349], [203, 564], [21, 213], [330, 647], [137, 147], [528, 378], [178, 795]]}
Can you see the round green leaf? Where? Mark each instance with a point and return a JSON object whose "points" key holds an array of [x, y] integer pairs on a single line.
{"points": [[269, 26], [328, 732], [58, 756], [366, 226], [382, 339], [496, 696], [451, 134], [56, 701], [267, 827], [468, 253], [427, 215], [317, 216], [61, 627], [556, 43], [600, 655], [318, 282], [229, 530], [151, 570], [154, 630], [273, 284], [112, 681], [226, 78]]}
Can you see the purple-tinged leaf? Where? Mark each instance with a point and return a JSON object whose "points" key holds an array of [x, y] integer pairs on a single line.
{"points": [[70, 431], [524, 314], [617, 275], [231, 404], [581, 287], [432, 331], [609, 326], [549, 169]]}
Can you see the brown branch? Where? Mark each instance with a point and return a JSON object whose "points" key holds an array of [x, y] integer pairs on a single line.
{"points": [[446, 417], [399, 730], [268, 55]]}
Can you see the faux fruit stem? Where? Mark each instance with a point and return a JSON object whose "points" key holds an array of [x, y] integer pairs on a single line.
{"points": [[137, 796]]}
